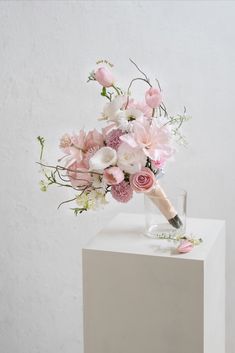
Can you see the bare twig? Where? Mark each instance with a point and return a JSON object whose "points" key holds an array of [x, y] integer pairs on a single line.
{"points": [[67, 201], [59, 167], [147, 79], [132, 81]]}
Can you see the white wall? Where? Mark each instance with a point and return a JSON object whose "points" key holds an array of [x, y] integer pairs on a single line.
{"points": [[46, 50]]}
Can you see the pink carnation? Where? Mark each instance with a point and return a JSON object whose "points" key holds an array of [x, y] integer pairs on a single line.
{"points": [[122, 192], [113, 138]]}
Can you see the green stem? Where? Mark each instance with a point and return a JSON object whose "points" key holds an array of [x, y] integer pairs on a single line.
{"points": [[116, 89]]}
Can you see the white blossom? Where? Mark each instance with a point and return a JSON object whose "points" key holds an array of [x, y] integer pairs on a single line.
{"points": [[103, 158]]}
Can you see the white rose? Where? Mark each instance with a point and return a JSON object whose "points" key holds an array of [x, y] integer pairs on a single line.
{"points": [[103, 158], [130, 160]]}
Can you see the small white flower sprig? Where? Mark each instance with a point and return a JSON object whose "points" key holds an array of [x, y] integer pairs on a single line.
{"points": [[186, 242]]}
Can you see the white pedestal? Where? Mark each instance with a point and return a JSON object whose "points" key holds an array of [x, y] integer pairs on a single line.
{"points": [[142, 297]]}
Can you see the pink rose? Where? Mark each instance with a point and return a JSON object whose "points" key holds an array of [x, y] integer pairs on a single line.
{"points": [[113, 175], [104, 77], [143, 181], [153, 97], [185, 246]]}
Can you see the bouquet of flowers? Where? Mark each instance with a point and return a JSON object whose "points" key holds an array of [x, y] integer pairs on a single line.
{"points": [[127, 155]]}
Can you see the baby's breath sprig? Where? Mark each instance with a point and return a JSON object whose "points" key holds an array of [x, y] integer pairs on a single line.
{"points": [[91, 76], [176, 237]]}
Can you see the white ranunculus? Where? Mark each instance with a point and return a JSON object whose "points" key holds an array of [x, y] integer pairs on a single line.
{"points": [[103, 158], [112, 108], [130, 160], [124, 118], [133, 114]]}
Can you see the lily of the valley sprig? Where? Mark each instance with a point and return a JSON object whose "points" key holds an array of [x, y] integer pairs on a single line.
{"points": [[126, 155]]}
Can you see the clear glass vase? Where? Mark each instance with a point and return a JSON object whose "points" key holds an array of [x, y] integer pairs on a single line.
{"points": [[165, 211]]}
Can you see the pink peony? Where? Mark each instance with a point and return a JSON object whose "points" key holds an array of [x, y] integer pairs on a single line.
{"points": [[113, 138], [122, 192], [113, 175], [81, 147], [153, 140], [104, 77], [76, 149], [93, 139], [153, 97], [82, 179], [143, 181], [185, 246], [73, 145]]}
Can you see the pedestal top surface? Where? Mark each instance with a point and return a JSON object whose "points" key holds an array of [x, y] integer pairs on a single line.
{"points": [[125, 234]]}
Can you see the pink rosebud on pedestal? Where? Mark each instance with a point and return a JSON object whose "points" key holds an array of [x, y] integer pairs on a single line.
{"points": [[153, 97], [104, 77], [185, 246]]}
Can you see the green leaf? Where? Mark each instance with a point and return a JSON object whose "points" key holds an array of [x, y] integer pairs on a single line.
{"points": [[78, 210], [104, 92]]}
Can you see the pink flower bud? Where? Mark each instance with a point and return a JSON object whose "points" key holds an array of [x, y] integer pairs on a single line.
{"points": [[185, 246], [153, 97], [113, 175], [104, 77]]}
